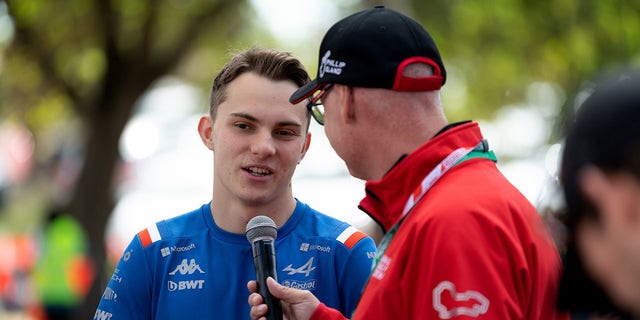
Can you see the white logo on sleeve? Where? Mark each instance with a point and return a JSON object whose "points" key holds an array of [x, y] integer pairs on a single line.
{"points": [[450, 303]]}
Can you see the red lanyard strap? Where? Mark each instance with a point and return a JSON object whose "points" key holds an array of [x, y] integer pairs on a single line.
{"points": [[457, 156]]}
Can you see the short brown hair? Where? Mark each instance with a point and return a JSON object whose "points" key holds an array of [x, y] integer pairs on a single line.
{"points": [[270, 63]]}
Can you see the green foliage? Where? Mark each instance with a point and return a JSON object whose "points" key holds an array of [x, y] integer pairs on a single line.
{"points": [[502, 46]]}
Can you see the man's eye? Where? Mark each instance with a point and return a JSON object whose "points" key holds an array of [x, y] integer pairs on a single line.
{"points": [[286, 133], [242, 125]]}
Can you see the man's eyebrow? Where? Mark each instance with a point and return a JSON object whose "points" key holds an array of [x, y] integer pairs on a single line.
{"points": [[254, 119], [245, 116]]}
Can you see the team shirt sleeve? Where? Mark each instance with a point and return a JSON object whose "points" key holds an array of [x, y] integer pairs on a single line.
{"points": [[128, 293], [357, 267]]}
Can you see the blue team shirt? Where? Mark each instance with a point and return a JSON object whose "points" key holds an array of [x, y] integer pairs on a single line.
{"points": [[187, 267]]}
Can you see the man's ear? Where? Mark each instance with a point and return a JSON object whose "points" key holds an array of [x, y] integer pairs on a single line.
{"points": [[349, 104], [344, 99], [205, 130], [305, 147]]}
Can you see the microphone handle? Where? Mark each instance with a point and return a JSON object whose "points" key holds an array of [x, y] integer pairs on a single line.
{"points": [[264, 260]]}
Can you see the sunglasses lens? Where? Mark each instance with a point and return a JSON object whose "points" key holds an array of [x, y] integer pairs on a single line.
{"points": [[318, 113], [315, 104]]}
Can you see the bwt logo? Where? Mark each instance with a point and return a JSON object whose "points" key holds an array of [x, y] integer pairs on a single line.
{"points": [[186, 285], [102, 315]]}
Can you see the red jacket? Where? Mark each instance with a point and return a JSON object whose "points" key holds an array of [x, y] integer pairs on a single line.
{"points": [[473, 247]]}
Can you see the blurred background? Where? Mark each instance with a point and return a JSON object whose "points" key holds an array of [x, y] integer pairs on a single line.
{"points": [[99, 102]]}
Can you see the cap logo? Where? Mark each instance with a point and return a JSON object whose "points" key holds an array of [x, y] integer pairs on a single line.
{"points": [[330, 66]]}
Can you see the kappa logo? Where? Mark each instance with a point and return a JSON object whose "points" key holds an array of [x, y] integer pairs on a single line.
{"points": [[450, 303], [304, 269], [187, 268], [330, 66]]}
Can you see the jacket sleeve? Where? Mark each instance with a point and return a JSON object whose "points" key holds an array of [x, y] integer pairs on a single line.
{"points": [[128, 293], [323, 312], [473, 268]]}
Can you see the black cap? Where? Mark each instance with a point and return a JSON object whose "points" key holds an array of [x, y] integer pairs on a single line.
{"points": [[370, 49]]}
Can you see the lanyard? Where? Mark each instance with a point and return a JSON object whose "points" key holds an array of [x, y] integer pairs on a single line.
{"points": [[457, 156]]}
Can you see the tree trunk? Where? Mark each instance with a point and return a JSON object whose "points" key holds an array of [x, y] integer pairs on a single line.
{"points": [[93, 199]]}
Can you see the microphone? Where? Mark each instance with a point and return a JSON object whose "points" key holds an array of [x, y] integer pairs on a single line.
{"points": [[261, 232]]}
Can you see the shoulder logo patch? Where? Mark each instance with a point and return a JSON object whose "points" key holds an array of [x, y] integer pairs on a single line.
{"points": [[149, 235], [350, 236]]}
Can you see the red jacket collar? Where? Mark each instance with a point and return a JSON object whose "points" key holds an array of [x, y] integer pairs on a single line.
{"points": [[385, 198]]}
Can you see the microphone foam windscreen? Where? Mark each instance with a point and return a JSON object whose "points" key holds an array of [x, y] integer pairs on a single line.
{"points": [[261, 228]]}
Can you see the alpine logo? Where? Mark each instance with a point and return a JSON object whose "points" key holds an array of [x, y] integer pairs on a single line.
{"points": [[330, 66], [187, 268], [304, 269], [186, 285]]}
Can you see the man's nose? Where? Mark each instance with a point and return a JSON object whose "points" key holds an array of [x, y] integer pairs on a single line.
{"points": [[263, 144]]}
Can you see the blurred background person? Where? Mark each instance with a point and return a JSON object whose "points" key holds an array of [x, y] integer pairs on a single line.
{"points": [[63, 272], [600, 175]]}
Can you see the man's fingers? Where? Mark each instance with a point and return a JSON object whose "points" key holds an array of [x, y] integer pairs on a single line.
{"points": [[258, 312], [252, 286], [277, 290], [255, 299]]}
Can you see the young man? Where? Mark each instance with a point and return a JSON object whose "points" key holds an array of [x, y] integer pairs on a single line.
{"points": [[196, 265], [461, 241], [600, 174]]}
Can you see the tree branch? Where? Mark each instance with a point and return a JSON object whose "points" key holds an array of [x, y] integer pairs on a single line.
{"points": [[26, 40]]}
